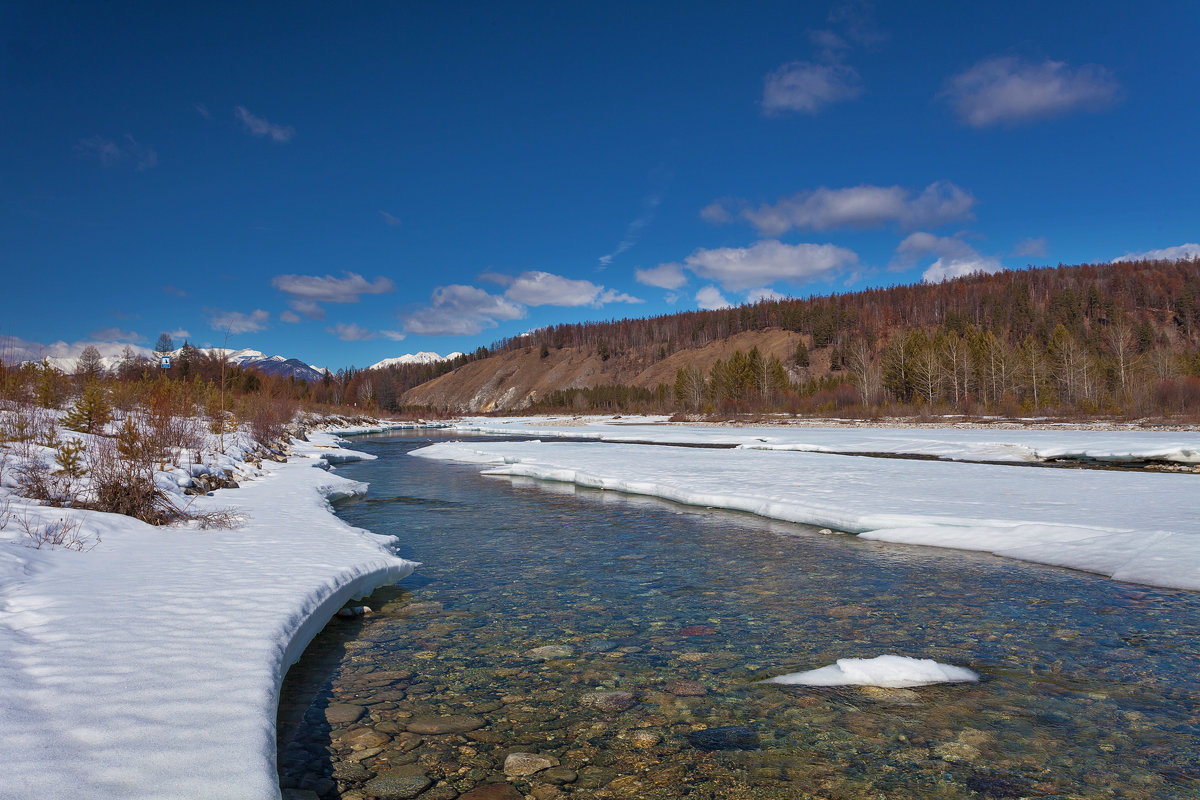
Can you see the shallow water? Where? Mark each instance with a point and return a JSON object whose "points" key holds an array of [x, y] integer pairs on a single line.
{"points": [[1090, 688]]}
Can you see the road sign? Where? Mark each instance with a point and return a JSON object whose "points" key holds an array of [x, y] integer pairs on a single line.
{"points": [[165, 362]]}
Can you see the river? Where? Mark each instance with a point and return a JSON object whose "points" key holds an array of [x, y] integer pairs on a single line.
{"points": [[621, 640]]}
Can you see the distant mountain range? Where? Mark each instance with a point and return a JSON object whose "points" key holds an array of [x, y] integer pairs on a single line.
{"points": [[413, 358], [255, 359]]}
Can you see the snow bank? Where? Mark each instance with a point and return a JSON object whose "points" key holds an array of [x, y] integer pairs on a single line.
{"points": [[967, 443], [888, 671], [150, 666], [1134, 526]]}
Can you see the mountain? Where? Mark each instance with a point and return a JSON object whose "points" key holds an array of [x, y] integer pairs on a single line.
{"points": [[281, 366], [413, 358]]}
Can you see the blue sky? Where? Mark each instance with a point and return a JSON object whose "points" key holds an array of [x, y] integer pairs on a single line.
{"points": [[347, 183]]}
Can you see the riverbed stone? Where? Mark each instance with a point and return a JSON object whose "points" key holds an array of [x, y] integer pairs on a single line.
{"points": [[687, 688], [365, 737], [520, 765], [609, 702], [492, 791], [558, 775], [727, 737], [550, 651], [452, 723], [343, 713], [402, 783]]}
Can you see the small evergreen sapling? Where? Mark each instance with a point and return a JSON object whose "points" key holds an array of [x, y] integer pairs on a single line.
{"points": [[91, 412]]}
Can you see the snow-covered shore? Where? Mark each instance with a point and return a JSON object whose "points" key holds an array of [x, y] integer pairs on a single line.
{"points": [[150, 665], [960, 441], [1129, 525]]}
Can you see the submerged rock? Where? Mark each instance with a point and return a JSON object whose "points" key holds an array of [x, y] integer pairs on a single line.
{"points": [[609, 702], [551, 651], [454, 723], [343, 713], [729, 737], [398, 784], [520, 765]]}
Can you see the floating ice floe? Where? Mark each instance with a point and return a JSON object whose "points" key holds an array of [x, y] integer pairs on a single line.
{"points": [[893, 672]]}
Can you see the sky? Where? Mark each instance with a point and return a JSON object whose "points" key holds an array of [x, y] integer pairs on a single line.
{"points": [[342, 183]]}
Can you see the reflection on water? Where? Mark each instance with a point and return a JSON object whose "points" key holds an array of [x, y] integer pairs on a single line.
{"points": [[619, 640]]}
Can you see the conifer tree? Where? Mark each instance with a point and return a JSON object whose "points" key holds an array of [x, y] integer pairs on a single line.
{"points": [[91, 412]]}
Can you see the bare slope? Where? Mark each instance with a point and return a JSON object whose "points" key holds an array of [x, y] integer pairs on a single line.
{"points": [[515, 378]]}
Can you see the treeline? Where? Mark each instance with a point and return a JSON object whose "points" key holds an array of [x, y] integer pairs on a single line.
{"points": [[1115, 339], [1161, 296]]}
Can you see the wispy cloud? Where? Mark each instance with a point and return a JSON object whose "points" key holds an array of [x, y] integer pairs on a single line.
{"points": [[1189, 250], [1031, 247], [328, 289], [391, 220], [634, 230], [117, 335], [289, 316], [307, 292], [863, 206], [237, 321], [202, 110], [954, 258], [175, 290], [260, 126], [110, 152], [1007, 90], [350, 332], [806, 87]]}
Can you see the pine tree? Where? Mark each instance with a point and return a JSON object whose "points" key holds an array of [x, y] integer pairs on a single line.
{"points": [[91, 412]]}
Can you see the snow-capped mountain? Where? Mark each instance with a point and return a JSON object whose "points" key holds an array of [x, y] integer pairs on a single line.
{"points": [[245, 358], [413, 358]]}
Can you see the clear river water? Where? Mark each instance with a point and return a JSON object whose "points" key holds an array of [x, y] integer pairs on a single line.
{"points": [[621, 640]]}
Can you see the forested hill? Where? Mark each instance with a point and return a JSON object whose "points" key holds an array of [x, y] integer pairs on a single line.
{"points": [[1119, 338]]}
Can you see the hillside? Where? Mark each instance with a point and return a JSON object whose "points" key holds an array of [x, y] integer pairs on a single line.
{"points": [[515, 378], [1107, 338]]}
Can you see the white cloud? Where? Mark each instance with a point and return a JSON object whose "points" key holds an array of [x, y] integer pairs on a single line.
{"points": [[710, 298], [328, 289], [664, 276], [110, 153], [763, 293], [308, 308], [14, 350], [535, 288], [237, 321], [261, 127], [202, 110], [613, 296], [742, 268], [390, 219], [716, 213], [1189, 250], [394, 336], [459, 310], [1031, 246], [807, 87], [178, 333], [289, 316], [954, 257], [117, 335], [175, 290], [1009, 90], [351, 332], [863, 206]]}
